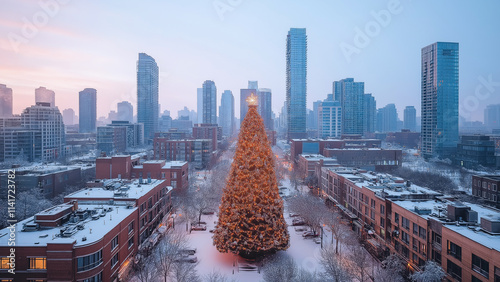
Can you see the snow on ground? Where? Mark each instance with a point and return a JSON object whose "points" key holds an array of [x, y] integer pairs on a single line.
{"points": [[305, 252]]}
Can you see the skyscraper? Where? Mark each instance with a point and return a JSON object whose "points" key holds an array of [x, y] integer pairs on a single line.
{"points": [[199, 105], [296, 82], [45, 95], [68, 116], [48, 122], [253, 84], [5, 101], [88, 110], [226, 113], [329, 118], [410, 118], [387, 119], [351, 97], [370, 109], [147, 94], [439, 99], [125, 111], [265, 107], [209, 103], [244, 93], [492, 116]]}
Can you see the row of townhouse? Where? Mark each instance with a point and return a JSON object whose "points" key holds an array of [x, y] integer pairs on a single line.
{"points": [[395, 216]]}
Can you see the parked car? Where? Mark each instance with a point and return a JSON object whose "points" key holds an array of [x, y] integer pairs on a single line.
{"points": [[292, 214], [188, 251], [188, 258], [309, 234], [207, 212], [199, 227], [198, 223], [298, 221]]}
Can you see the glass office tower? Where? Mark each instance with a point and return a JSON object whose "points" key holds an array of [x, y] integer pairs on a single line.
{"points": [[296, 82], [147, 95], [439, 99]]}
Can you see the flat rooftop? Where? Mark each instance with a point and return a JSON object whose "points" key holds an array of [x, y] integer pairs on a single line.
{"points": [[118, 189], [43, 169], [90, 230], [437, 209]]}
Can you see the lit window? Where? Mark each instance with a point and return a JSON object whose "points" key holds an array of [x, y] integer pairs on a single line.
{"points": [[38, 263], [4, 263]]}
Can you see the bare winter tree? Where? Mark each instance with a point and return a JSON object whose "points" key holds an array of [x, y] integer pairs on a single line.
{"points": [[432, 272], [393, 272], [185, 272], [334, 269], [216, 276], [338, 229], [360, 263], [311, 209], [282, 268], [145, 270], [167, 255], [30, 202]]}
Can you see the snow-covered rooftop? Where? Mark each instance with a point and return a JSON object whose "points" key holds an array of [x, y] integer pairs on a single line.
{"points": [[117, 189], [384, 185], [90, 230], [437, 209], [42, 169], [174, 164]]}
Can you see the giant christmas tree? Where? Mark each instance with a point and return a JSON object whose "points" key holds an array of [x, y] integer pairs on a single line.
{"points": [[251, 219]]}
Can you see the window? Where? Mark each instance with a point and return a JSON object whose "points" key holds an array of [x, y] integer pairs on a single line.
{"points": [[97, 278], [382, 222], [415, 244], [454, 270], [130, 242], [114, 260], [436, 256], [415, 229], [131, 227], [382, 209], [475, 279], [422, 233], [405, 223], [174, 175], [4, 263], [405, 237], [415, 258], [38, 263], [436, 238], [480, 266], [372, 214], [90, 261], [494, 187], [114, 243], [372, 203], [173, 183], [497, 274], [396, 217], [454, 250]]}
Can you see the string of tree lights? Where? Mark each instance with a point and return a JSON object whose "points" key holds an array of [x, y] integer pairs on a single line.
{"points": [[251, 221]]}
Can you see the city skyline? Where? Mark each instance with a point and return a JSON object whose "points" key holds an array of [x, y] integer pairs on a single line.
{"points": [[48, 55]]}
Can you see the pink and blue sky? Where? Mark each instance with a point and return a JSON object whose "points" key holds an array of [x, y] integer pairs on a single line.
{"points": [[80, 44]]}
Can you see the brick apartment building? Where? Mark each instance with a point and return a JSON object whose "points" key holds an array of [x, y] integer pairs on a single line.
{"points": [[396, 216], [307, 164], [375, 159], [486, 187], [52, 179], [208, 131], [174, 172], [93, 236], [197, 151], [317, 146]]}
